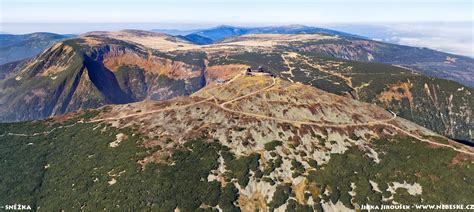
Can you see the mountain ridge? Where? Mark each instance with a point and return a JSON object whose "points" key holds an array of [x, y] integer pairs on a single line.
{"points": [[73, 73], [427, 61], [220, 32], [251, 143], [130, 66], [423, 60]]}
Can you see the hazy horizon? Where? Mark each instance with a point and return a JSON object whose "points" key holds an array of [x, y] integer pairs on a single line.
{"points": [[445, 25], [451, 37]]}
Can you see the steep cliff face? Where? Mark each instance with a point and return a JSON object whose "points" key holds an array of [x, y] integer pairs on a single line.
{"points": [[89, 72]]}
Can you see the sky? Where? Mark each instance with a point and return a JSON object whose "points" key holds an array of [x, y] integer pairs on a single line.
{"points": [[398, 21], [234, 11]]}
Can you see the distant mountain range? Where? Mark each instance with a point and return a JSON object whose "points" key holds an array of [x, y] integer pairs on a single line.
{"points": [[212, 35], [175, 32], [18, 47]]}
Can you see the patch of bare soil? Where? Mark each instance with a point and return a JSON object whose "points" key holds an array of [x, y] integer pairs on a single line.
{"points": [[224, 72], [397, 92]]}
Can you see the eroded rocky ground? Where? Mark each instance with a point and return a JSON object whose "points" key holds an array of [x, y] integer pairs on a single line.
{"points": [[285, 146]]}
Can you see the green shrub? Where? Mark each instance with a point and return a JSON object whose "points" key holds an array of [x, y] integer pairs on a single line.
{"points": [[280, 196], [272, 145], [240, 168]]}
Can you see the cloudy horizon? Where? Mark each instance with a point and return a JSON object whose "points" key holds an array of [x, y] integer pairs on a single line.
{"points": [[438, 24]]}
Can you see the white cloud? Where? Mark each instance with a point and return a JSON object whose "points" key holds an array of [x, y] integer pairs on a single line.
{"points": [[452, 37], [455, 38], [440, 43]]}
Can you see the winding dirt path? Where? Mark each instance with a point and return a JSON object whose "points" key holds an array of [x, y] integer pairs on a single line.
{"points": [[246, 95], [223, 106], [287, 63], [149, 112], [383, 122], [347, 80], [40, 133]]}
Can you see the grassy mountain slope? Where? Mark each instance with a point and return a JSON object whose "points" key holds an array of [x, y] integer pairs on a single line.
{"points": [[7, 68], [441, 105], [429, 62], [351, 47], [254, 143]]}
